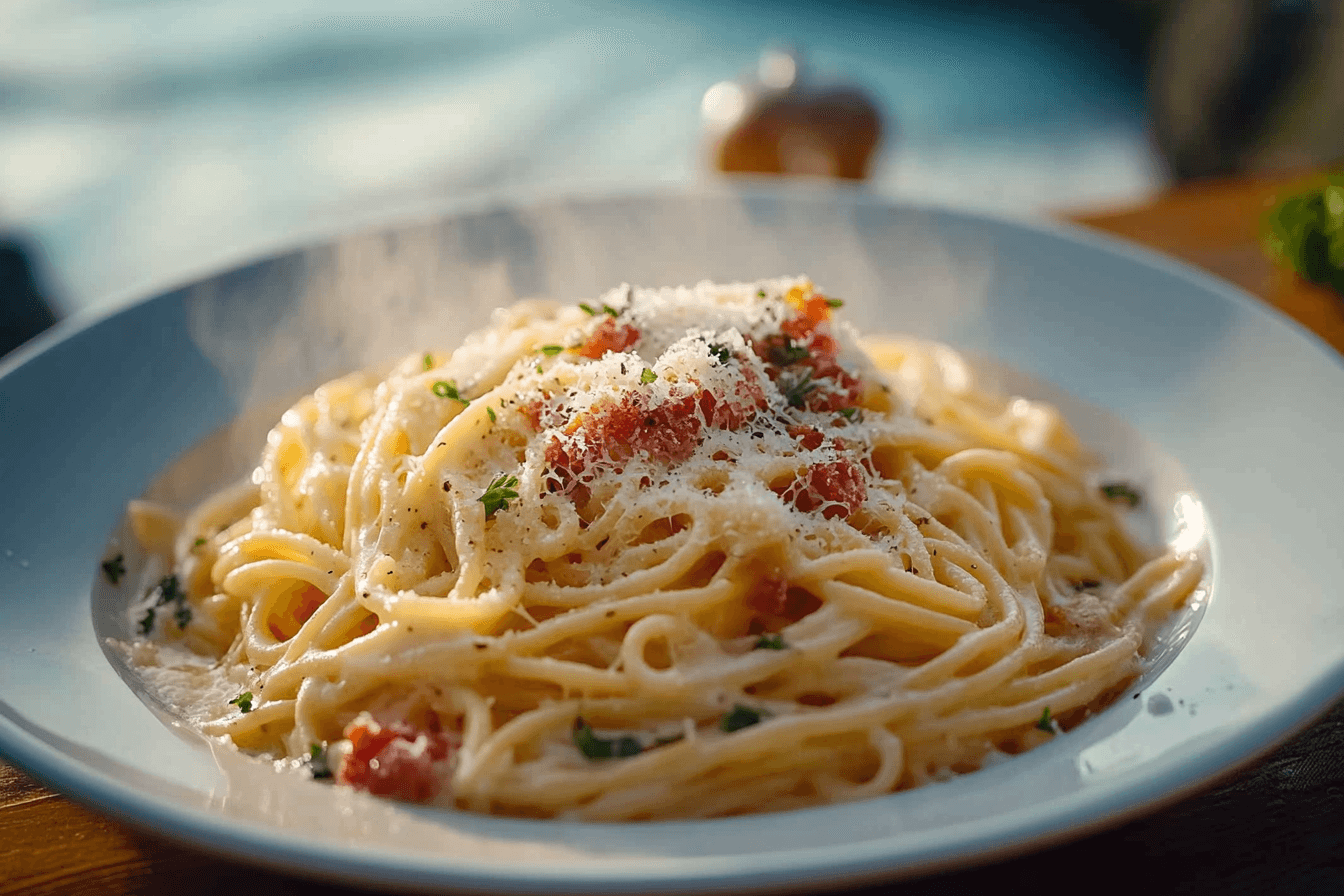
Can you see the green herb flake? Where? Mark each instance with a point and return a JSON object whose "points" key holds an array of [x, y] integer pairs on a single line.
{"points": [[796, 389], [773, 641], [539, 370], [448, 389], [318, 764], [498, 495], [243, 701], [587, 309], [1045, 723], [848, 413], [782, 351], [429, 362], [741, 717], [114, 569], [1122, 492], [721, 352], [170, 591], [835, 303], [199, 542], [594, 747], [647, 376], [490, 412], [760, 293], [551, 351], [167, 591], [607, 309]]}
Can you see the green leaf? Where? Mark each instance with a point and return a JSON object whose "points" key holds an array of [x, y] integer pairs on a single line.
{"points": [[552, 350], [741, 717], [836, 303], [490, 412], [243, 701], [1305, 232], [594, 747], [498, 495], [318, 763], [448, 389], [429, 362], [1045, 723], [587, 309], [1122, 492], [647, 376], [772, 641], [114, 569], [795, 389]]}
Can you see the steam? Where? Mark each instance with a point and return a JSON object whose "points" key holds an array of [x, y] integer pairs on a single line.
{"points": [[280, 327]]}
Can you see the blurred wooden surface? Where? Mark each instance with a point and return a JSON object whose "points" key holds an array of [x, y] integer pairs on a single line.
{"points": [[51, 845]]}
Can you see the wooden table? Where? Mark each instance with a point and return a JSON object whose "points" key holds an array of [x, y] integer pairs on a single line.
{"points": [[49, 844]]}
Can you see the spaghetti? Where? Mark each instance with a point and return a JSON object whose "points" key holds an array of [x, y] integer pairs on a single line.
{"points": [[681, 553]]}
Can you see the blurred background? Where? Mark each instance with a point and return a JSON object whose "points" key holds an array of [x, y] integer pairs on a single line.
{"points": [[147, 140]]}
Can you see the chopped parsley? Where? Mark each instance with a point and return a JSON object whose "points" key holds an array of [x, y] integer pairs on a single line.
{"points": [[610, 310], [551, 351], [647, 376], [594, 747], [848, 413], [199, 542], [722, 352], [429, 362], [243, 701], [835, 303], [741, 717], [587, 309], [1122, 492], [169, 591], [1045, 723], [448, 389], [115, 568], [490, 412], [498, 495], [783, 351], [795, 389], [774, 641], [760, 293], [318, 765]]}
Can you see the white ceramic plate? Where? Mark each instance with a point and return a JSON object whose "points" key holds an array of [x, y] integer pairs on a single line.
{"points": [[1222, 399]]}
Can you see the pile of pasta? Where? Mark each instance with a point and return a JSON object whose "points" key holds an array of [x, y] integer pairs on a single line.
{"points": [[676, 553]]}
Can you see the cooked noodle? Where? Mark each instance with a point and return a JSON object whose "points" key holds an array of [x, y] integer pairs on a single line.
{"points": [[681, 553]]}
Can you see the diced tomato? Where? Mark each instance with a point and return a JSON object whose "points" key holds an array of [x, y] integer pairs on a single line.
{"points": [[814, 312], [609, 337], [769, 596], [668, 432], [836, 390], [302, 602], [532, 411], [836, 489], [394, 760], [809, 437], [778, 603], [804, 345]]}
